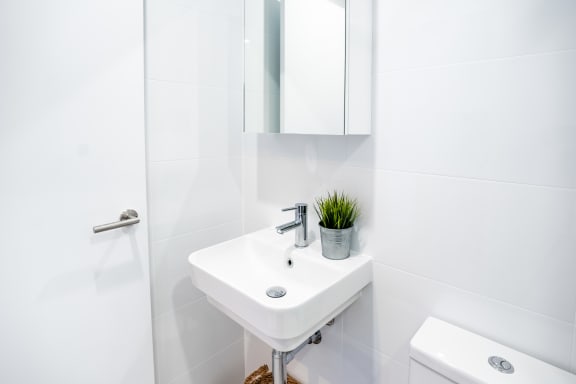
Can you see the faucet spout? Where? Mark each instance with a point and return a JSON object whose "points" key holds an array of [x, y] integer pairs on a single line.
{"points": [[282, 229], [300, 224]]}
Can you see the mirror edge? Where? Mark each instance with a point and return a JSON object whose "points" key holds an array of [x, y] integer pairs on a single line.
{"points": [[359, 38]]}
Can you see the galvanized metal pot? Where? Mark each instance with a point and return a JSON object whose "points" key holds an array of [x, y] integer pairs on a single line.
{"points": [[336, 242]]}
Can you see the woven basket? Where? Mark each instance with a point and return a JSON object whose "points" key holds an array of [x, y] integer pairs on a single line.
{"points": [[263, 375]]}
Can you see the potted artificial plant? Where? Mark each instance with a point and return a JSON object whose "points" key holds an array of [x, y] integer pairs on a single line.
{"points": [[337, 213]]}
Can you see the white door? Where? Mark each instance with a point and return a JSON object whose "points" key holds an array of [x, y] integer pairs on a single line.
{"points": [[74, 305]]}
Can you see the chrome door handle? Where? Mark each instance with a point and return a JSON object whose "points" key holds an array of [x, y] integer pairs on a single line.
{"points": [[127, 217]]}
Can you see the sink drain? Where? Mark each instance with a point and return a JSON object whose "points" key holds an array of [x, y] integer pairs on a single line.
{"points": [[276, 292]]}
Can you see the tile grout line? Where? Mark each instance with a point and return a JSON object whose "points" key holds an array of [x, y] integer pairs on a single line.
{"points": [[343, 164], [190, 159], [194, 84], [545, 316], [471, 62], [477, 179], [186, 234], [573, 348]]}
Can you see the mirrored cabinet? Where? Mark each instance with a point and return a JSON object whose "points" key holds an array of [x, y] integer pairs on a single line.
{"points": [[308, 66]]}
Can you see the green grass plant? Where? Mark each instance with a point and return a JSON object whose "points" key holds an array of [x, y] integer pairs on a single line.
{"points": [[337, 210]]}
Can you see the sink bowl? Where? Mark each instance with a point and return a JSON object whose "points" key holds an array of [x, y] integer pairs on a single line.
{"points": [[236, 274]]}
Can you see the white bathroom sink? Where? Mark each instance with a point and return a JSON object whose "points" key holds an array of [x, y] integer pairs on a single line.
{"points": [[236, 274]]}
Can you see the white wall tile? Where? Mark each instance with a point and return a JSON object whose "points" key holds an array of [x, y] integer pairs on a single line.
{"points": [[172, 36], [508, 120], [256, 353], [223, 368], [365, 365], [360, 363], [310, 147], [321, 363], [194, 121], [190, 336], [190, 195], [573, 357], [187, 122], [423, 33], [219, 8], [186, 44], [171, 284], [401, 302], [511, 242], [272, 183]]}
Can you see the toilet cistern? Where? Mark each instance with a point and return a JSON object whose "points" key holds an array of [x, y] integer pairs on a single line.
{"points": [[300, 224]]}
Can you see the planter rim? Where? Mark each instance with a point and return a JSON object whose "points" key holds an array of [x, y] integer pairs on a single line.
{"points": [[335, 229]]}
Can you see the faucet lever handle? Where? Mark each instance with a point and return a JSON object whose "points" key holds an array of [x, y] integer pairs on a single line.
{"points": [[301, 207]]}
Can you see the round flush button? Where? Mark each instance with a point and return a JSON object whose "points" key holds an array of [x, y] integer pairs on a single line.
{"points": [[501, 364]]}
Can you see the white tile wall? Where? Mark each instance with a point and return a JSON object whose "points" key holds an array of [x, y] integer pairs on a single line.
{"points": [[573, 364], [190, 122], [419, 33], [471, 121], [477, 232], [364, 365], [194, 123], [467, 184], [406, 299], [189, 336], [189, 195], [224, 367], [194, 44], [172, 287], [322, 363]]}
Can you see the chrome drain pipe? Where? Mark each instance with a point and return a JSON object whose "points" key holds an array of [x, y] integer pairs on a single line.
{"points": [[281, 359], [316, 338], [279, 373]]}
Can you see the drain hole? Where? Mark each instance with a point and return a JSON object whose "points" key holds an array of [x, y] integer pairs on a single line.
{"points": [[290, 263], [276, 292]]}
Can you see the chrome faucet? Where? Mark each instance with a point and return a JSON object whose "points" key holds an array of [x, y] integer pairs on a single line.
{"points": [[300, 224]]}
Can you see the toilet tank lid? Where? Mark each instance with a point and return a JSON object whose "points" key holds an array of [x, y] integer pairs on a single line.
{"points": [[462, 356]]}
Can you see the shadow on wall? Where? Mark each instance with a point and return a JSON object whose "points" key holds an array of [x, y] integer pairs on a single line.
{"points": [[361, 363], [203, 337], [109, 273], [341, 358]]}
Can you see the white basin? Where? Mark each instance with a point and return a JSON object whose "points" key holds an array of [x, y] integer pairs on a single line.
{"points": [[236, 274]]}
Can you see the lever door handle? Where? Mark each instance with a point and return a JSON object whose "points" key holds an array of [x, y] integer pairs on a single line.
{"points": [[127, 217]]}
